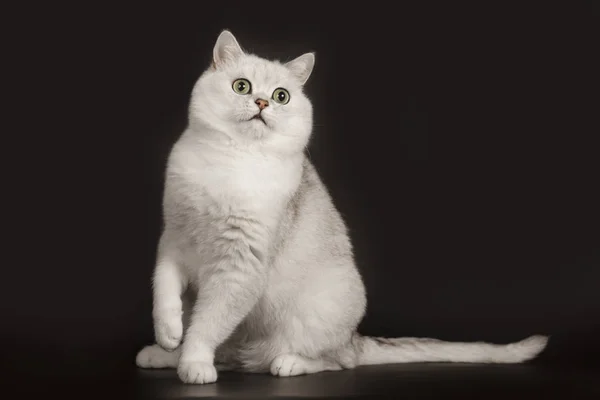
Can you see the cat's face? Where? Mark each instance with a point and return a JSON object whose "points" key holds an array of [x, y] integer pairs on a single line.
{"points": [[254, 100]]}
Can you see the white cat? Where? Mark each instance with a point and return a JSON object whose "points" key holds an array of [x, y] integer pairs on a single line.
{"points": [[255, 269]]}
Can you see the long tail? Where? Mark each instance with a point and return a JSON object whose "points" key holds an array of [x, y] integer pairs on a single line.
{"points": [[373, 350]]}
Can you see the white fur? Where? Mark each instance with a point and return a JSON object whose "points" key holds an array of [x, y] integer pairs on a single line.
{"points": [[255, 269]]}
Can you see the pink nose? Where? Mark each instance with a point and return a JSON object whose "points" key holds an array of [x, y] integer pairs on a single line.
{"points": [[262, 104]]}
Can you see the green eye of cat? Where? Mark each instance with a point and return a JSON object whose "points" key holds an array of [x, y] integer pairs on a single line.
{"points": [[242, 86], [281, 96]]}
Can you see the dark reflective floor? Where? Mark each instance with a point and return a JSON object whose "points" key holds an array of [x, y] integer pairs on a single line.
{"points": [[440, 381]]}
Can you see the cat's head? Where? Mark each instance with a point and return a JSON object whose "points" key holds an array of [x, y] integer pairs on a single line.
{"points": [[254, 100]]}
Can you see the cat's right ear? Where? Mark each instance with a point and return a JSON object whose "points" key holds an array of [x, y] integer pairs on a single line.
{"points": [[301, 67], [226, 50]]}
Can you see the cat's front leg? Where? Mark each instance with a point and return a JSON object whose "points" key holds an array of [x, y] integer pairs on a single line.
{"points": [[168, 286], [227, 293]]}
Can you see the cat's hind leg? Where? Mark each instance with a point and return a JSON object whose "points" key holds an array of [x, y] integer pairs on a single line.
{"points": [[294, 364], [156, 357]]}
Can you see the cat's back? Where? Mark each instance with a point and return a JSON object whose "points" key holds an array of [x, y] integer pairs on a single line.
{"points": [[312, 225]]}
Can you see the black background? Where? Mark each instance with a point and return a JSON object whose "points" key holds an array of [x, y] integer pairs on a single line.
{"points": [[458, 141]]}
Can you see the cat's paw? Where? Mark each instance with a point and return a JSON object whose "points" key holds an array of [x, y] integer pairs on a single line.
{"points": [[197, 372], [168, 328], [288, 365], [156, 357]]}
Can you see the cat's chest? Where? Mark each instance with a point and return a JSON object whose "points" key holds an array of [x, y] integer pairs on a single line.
{"points": [[245, 182]]}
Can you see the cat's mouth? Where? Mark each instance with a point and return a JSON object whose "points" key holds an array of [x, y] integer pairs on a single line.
{"points": [[258, 117]]}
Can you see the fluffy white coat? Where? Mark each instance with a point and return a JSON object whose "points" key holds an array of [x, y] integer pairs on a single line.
{"points": [[255, 269]]}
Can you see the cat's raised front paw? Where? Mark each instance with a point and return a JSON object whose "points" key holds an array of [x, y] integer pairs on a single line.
{"points": [[168, 329], [197, 372]]}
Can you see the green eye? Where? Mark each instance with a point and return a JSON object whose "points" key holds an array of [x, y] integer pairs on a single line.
{"points": [[242, 86], [281, 96]]}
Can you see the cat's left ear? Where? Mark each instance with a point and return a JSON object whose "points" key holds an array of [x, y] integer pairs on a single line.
{"points": [[226, 49], [302, 66]]}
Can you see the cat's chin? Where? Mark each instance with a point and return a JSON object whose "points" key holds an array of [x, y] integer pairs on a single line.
{"points": [[254, 128], [258, 118]]}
